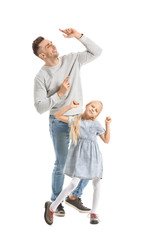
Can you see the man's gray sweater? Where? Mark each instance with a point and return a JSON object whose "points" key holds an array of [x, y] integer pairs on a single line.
{"points": [[49, 79]]}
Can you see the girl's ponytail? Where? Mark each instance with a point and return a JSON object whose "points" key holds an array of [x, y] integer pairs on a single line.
{"points": [[75, 129]]}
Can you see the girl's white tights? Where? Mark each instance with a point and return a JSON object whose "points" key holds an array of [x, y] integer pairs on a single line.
{"points": [[73, 184], [96, 194]]}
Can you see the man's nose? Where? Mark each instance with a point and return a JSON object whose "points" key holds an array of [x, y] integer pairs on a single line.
{"points": [[52, 44]]}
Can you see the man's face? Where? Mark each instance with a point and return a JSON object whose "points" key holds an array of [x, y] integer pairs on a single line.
{"points": [[47, 50]]}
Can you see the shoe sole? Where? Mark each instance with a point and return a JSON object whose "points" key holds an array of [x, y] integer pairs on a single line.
{"points": [[79, 210], [94, 222], [46, 206], [59, 214]]}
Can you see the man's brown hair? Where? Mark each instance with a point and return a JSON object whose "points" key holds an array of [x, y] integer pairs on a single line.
{"points": [[35, 45]]}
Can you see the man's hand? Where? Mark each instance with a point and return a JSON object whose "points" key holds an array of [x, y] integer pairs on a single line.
{"points": [[65, 86], [70, 33], [74, 104]]}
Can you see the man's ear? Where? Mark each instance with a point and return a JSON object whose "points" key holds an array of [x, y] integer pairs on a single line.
{"points": [[42, 56]]}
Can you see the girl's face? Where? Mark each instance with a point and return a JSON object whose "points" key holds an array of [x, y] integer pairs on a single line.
{"points": [[93, 109]]}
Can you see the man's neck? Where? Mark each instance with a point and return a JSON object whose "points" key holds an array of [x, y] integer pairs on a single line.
{"points": [[52, 62]]}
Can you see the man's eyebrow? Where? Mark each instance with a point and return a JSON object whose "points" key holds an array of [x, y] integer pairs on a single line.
{"points": [[47, 45]]}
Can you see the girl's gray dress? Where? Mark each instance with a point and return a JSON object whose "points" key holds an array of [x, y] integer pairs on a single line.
{"points": [[84, 160]]}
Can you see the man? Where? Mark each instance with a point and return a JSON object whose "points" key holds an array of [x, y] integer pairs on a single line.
{"points": [[56, 85]]}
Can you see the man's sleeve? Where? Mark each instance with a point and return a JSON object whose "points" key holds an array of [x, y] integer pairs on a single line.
{"points": [[92, 51], [41, 101]]}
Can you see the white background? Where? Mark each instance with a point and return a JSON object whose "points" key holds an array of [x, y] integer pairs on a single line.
{"points": [[118, 78]]}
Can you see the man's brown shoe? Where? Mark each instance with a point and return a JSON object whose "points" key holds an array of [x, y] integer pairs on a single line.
{"points": [[77, 204], [60, 211]]}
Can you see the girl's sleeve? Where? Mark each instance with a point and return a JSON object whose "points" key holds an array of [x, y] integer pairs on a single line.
{"points": [[100, 129], [70, 120]]}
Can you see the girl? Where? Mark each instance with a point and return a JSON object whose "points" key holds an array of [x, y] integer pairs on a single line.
{"points": [[84, 159]]}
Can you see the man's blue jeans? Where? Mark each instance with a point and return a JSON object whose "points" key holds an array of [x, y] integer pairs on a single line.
{"points": [[59, 132]]}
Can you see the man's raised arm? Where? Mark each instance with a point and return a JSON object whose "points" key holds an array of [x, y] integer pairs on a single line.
{"points": [[92, 49]]}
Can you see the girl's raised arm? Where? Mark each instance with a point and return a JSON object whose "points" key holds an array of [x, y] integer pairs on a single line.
{"points": [[106, 136], [59, 115]]}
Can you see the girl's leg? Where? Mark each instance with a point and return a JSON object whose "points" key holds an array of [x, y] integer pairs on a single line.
{"points": [[73, 184], [96, 194]]}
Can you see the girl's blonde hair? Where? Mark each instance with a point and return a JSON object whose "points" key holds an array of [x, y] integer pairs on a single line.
{"points": [[75, 127]]}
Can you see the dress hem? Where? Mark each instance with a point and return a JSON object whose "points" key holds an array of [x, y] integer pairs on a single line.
{"points": [[84, 178]]}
